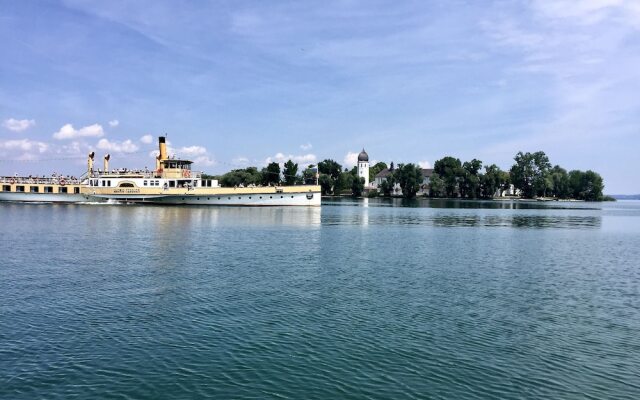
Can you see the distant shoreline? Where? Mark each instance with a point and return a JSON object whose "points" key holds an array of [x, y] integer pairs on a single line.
{"points": [[626, 196]]}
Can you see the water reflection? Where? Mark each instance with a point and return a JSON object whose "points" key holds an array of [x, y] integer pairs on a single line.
{"points": [[463, 220], [462, 204], [190, 217]]}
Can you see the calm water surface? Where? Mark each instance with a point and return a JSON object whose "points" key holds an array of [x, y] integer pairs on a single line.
{"points": [[357, 300]]}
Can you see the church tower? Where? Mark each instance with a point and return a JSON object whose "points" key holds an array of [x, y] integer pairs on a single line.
{"points": [[363, 167]]}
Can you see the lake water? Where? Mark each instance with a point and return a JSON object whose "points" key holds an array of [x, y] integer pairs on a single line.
{"points": [[374, 299]]}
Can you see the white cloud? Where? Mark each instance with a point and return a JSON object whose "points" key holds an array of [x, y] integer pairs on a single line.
{"points": [[69, 132], [18, 125], [198, 154], [146, 139], [240, 160], [204, 160], [578, 53], [74, 148], [589, 12], [24, 145], [114, 123], [303, 159], [191, 151], [117, 147], [351, 159], [425, 164], [306, 147]]}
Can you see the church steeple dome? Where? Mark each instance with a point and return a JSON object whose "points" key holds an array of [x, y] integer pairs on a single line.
{"points": [[363, 156]]}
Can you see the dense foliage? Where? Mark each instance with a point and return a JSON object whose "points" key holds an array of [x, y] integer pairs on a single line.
{"points": [[269, 176], [531, 176], [375, 170], [290, 173], [409, 176]]}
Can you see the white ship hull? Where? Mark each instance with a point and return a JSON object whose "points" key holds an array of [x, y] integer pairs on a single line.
{"points": [[43, 197], [266, 199]]}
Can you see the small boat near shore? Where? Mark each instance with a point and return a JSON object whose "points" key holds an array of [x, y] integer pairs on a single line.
{"points": [[172, 182]]}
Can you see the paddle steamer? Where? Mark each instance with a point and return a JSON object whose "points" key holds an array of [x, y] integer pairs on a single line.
{"points": [[171, 182]]}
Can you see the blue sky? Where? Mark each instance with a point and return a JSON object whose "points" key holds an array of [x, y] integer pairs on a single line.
{"points": [[246, 82]]}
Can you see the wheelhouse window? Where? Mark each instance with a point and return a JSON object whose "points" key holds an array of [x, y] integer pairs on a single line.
{"points": [[34, 189], [48, 189], [62, 189], [144, 183], [6, 188], [20, 189], [76, 190]]}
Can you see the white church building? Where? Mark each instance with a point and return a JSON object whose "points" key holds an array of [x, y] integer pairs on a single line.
{"points": [[363, 167]]}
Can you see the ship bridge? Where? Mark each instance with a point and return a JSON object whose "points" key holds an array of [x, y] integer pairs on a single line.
{"points": [[173, 168]]}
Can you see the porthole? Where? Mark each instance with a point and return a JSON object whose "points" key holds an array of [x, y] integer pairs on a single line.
{"points": [[282, 197], [229, 198], [249, 197], [292, 197], [271, 197], [239, 198]]}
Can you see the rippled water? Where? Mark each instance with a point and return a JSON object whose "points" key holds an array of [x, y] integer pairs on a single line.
{"points": [[360, 299]]}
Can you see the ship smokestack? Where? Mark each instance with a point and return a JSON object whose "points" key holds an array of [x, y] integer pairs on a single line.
{"points": [[106, 163], [90, 163], [163, 148]]}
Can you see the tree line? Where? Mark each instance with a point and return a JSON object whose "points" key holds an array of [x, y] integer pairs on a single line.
{"points": [[532, 175], [332, 178], [270, 175]]}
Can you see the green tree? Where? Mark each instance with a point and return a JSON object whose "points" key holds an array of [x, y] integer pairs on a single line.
{"points": [[375, 170], [470, 178], [586, 185], [245, 177], [357, 186], [271, 174], [409, 176], [290, 173], [450, 171], [345, 181], [436, 186], [575, 183], [388, 184], [332, 170], [559, 182], [530, 173], [593, 186], [491, 181], [326, 184], [505, 180], [309, 175]]}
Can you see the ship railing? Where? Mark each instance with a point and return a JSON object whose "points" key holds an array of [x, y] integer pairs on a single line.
{"points": [[141, 173], [73, 180], [40, 180]]}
